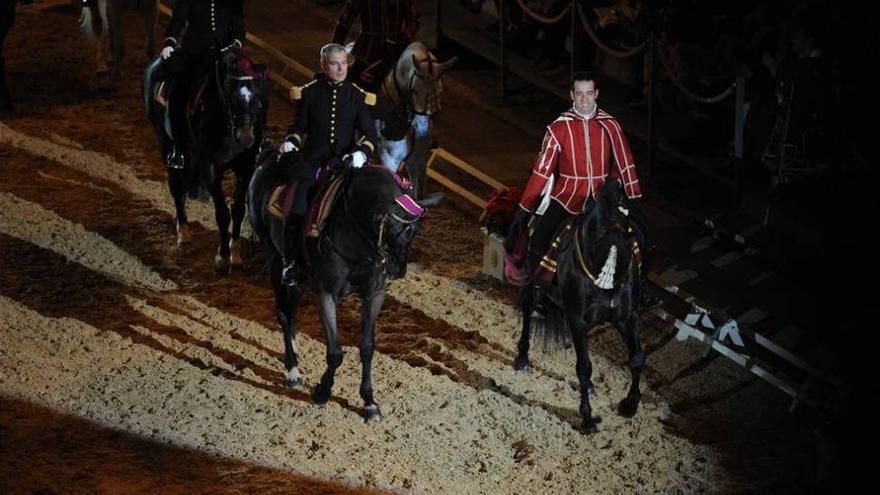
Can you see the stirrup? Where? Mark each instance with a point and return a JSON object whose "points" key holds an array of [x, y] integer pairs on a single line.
{"points": [[174, 160], [648, 301], [288, 275]]}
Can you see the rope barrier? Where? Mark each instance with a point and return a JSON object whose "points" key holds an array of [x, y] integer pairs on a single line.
{"points": [[538, 17], [693, 96], [605, 48]]}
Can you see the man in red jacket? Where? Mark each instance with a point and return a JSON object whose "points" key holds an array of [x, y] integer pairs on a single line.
{"points": [[387, 28], [578, 150]]}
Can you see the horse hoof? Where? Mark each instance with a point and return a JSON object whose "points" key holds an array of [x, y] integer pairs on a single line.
{"points": [[372, 414], [628, 407], [221, 264], [319, 395], [522, 364], [235, 254], [588, 427], [294, 383], [184, 235]]}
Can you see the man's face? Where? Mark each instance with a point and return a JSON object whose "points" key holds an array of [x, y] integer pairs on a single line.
{"points": [[583, 96], [336, 66]]}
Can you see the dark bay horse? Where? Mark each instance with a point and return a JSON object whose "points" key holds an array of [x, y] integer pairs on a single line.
{"points": [[227, 128], [407, 99], [102, 23], [366, 239], [597, 281]]}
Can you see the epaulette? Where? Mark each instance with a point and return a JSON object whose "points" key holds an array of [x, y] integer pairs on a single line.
{"points": [[296, 91], [369, 98]]}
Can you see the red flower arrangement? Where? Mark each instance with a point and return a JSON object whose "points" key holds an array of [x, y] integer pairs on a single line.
{"points": [[500, 210]]}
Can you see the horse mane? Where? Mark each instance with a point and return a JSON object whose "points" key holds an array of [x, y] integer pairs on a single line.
{"points": [[372, 187], [603, 225], [239, 62]]}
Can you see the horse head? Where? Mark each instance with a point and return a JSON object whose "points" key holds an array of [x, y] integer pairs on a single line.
{"points": [[240, 93], [607, 225], [402, 223], [420, 77], [394, 217]]}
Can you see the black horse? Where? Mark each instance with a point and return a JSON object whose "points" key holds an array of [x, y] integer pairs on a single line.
{"points": [[227, 128], [7, 17], [597, 281], [365, 240]]}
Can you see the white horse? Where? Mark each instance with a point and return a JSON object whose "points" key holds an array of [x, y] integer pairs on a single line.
{"points": [[102, 23], [408, 97]]}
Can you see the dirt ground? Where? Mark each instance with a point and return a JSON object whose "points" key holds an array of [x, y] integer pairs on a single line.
{"points": [[127, 366]]}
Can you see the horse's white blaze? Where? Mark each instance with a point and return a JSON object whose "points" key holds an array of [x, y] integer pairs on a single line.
{"points": [[606, 277], [246, 93]]}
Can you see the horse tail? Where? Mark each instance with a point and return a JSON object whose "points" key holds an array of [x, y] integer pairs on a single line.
{"points": [[551, 331], [147, 87], [87, 22], [257, 194]]}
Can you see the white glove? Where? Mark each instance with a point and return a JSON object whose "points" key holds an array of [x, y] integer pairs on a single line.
{"points": [[358, 159], [166, 52], [287, 147]]}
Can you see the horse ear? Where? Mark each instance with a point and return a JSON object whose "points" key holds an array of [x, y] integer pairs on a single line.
{"points": [[448, 64], [432, 200]]}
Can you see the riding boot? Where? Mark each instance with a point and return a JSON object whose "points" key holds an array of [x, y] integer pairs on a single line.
{"points": [[177, 116], [288, 261], [647, 300]]}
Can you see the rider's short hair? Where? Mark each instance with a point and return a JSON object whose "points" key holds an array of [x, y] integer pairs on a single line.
{"points": [[329, 48], [585, 75]]}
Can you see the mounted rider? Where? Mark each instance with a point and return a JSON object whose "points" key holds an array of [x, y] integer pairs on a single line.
{"points": [[212, 26], [387, 28], [333, 119], [574, 161]]}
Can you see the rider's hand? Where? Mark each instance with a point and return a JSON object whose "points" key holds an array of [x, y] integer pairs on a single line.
{"points": [[166, 52], [287, 147], [357, 159]]}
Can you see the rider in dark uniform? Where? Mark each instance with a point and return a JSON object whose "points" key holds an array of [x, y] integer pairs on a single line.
{"points": [[333, 119], [387, 28], [211, 26]]}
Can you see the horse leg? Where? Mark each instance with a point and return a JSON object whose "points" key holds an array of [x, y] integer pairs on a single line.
{"points": [[370, 308], [286, 303], [584, 369], [117, 41], [327, 307], [221, 216], [630, 332], [150, 12], [417, 165], [238, 210], [177, 187], [521, 363]]}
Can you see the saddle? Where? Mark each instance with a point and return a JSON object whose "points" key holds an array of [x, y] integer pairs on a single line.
{"points": [[545, 273]]}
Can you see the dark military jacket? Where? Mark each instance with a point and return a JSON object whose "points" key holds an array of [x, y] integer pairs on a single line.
{"points": [[208, 23], [327, 115]]}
